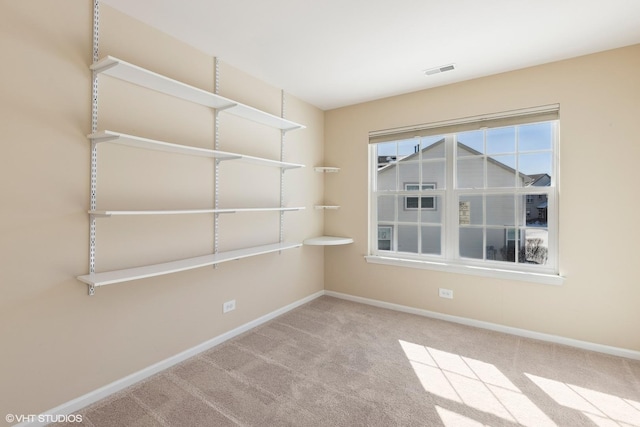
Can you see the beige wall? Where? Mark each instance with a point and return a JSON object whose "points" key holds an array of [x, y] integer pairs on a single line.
{"points": [[57, 342], [599, 98]]}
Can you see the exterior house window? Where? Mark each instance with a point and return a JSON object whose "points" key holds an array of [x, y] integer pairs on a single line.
{"points": [[424, 202], [480, 194], [384, 238]]}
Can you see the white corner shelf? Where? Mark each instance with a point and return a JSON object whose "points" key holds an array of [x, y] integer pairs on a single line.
{"points": [[126, 275], [151, 144], [327, 169], [110, 213], [128, 72], [328, 241]]}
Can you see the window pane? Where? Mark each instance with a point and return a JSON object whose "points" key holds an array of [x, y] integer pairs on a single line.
{"points": [[433, 173], [536, 206], [470, 172], [501, 244], [474, 205], [409, 174], [428, 203], [384, 245], [387, 152], [501, 210], [408, 209], [501, 171], [408, 238], [470, 143], [501, 140], [536, 136], [387, 177], [537, 167], [386, 208], [536, 247], [411, 202], [431, 240], [432, 147], [408, 147], [492, 251], [385, 237], [431, 215], [471, 242]]}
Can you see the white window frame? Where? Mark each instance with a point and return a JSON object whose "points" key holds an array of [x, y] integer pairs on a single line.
{"points": [[449, 259]]}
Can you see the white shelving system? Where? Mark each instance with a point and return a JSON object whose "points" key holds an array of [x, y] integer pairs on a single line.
{"points": [[327, 240], [116, 68]]}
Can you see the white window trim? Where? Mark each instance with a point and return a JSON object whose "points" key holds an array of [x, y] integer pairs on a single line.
{"points": [[446, 262], [484, 271]]}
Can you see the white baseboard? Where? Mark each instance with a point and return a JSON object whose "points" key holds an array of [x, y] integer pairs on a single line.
{"points": [[109, 389], [585, 345]]}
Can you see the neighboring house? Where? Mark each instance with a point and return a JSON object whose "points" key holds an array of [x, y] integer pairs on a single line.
{"points": [[396, 173], [537, 204]]}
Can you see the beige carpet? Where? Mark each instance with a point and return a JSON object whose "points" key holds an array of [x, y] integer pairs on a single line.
{"points": [[337, 363]]}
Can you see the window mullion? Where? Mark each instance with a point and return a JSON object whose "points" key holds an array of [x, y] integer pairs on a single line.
{"points": [[420, 207], [450, 219]]}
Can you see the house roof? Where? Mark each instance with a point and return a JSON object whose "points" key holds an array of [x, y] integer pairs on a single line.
{"points": [[539, 180], [529, 180]]}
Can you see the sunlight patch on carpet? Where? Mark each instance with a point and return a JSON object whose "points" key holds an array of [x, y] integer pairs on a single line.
{"points": [[603, 409], [476, 384]]}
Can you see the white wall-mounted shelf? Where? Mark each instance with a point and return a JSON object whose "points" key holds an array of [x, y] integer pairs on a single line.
{"points": [[328, 241], [329, 207], [151, 144], [327, 169], [123, 70], [109, 213], [133, 74], [118, 276]]}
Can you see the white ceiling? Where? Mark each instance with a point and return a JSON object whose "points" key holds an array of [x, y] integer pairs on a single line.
{"points": [[333, 53]]}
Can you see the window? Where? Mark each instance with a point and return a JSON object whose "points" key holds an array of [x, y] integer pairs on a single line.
{"points": [[479, 193], [425, 202], [384, 238]]}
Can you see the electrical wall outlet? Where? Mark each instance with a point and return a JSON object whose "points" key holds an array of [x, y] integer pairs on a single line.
{"points": [[445, 293], [229, 306]]}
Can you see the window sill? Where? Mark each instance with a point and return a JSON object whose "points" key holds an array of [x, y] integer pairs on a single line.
{"points": [[524, 276]]}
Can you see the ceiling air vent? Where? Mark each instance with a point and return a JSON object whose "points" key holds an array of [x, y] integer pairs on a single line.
{"points": [[441, 69]]}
